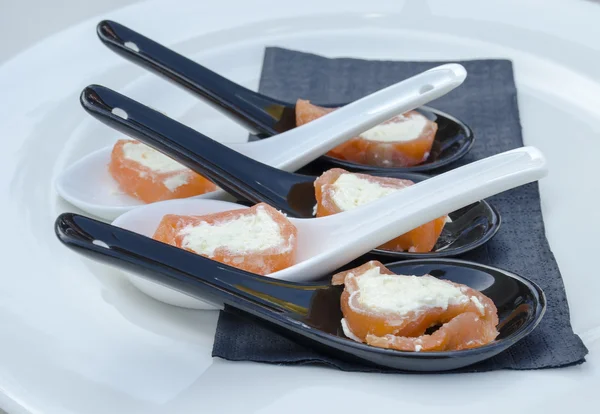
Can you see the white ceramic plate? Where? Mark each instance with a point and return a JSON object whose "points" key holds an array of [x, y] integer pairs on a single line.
{"points": [[77, 338]]}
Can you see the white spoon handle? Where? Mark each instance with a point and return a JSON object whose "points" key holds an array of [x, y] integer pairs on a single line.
{"points": [[348, 235], [299, 146]]}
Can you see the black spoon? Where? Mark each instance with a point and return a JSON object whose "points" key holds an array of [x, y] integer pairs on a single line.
{"points": [[308, 313], [254, 182], [260, 114]]}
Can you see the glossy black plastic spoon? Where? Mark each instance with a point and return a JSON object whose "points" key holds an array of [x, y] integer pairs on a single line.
{"points": [[260, 114], [308, 313], [254, 182]]}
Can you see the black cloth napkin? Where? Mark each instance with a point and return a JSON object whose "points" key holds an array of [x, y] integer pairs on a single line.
{"points": [[487, 101]]}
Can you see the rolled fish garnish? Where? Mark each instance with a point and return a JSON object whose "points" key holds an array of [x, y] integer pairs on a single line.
{"points": [[413, 313]]}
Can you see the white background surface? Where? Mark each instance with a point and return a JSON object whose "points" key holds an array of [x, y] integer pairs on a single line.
{"points": [[25, 22]]}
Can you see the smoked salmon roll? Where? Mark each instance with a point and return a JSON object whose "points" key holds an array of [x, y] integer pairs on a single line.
{"points": [[392, 311], [150, 176], [258, 239], [338, 190], [403, 141]]}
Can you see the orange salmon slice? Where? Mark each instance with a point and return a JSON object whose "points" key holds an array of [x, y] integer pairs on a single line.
{"points": [[419, 240], [466, 324], [258, 239], [149, 185], [387, 153]]}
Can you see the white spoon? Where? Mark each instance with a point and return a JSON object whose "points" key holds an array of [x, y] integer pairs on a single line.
{"points": [[325, 244], [88, 185]]}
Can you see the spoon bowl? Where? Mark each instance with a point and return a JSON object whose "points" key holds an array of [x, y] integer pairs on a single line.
{"points": [[267, 117], [145, 220], [88, 185], [306, 312]]}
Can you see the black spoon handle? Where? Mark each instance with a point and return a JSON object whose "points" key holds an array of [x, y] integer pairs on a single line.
{"points": [[245, 106], [241, 176], [179, 269]]}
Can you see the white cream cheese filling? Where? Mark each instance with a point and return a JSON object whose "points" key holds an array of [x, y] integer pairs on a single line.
{"points": [[245, 234], [405, 294], [350, 191], [173, 182], [150, 158], [157, 162], [407, 129]]}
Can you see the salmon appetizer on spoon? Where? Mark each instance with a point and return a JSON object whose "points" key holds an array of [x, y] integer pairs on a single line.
{"points": [[288, 151], [259, 239], [400, 312], [150, 176], [403, 141], [338, 191]]}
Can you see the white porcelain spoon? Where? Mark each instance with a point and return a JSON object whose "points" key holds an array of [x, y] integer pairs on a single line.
{"points": [[325, 244], [88, 185]]}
